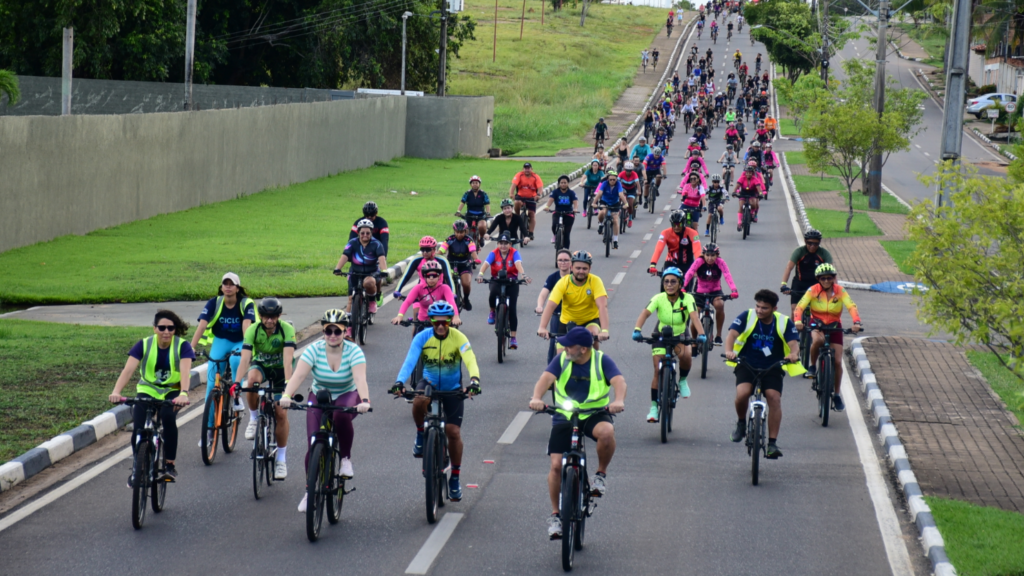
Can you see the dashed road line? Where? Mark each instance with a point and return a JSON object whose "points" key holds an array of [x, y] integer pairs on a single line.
{"points": [[515, 427], [658, 221], [619, 278], [635, 254], [432, 547], [647, 236]]}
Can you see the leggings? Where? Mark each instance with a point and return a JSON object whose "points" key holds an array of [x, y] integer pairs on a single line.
{"points": [[219, 349], [512, 292], [342, 424], [568, 221], [167, 418]]}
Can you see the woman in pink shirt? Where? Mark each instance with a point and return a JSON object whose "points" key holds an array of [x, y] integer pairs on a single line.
{"points": [[426, 293]]}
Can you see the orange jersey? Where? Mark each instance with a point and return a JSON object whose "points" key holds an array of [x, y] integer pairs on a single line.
{"points": [[825, 307], [677, 247]]}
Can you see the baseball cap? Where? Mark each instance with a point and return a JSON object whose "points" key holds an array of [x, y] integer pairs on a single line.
{"points": [[233, 277], [578, 336]]}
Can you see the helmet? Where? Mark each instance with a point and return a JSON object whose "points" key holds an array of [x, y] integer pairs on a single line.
{"points": [[643, 139], [475, 178], [270, 306], [711, 248], [716, 177], [430, 265], [729, 147], [441, 308], [657, 149], [672, 271], [812, 234], [767, 144], [676, 217], [693, 139], [505, 237], [459, 226], [611, 174], [582, 256], [752, 164], [824, 269], [756, 144], [335, 316], [364, 223], [428, 242], [507, 202], [370, 208], [629, 166]]}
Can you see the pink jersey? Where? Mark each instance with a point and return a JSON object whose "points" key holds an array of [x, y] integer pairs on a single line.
{"points": [[691, 195], [709, 276], [423, 296]]}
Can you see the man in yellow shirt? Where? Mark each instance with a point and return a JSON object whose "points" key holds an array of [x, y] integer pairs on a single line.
{"points": [[583, 298]]}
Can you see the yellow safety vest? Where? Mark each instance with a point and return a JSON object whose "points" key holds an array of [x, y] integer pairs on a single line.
{"points": [[780, 326], [149, 383], [599, 388], [244, 303]]}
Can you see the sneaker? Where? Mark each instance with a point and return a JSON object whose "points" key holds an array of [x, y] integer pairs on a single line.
{"points": [[597, 486], [170, 473], [812, 372], [684, 389], [718, 340], [512, 343], [348, 333], [615, 244], [837, 403], [739, 228], [754, 219], [721, 220], [371, 306], [707, 232], [652, 416], [531, 235], [554, 527], [629, 223], [454, 489], [740, 432], [280, 470], [773, 451], [209, 438], [302, 504], [346, 468], [600, 228], [466, 305], [552, 239], [250, 429], [380, 298], [131, 480], [490, 317], [417, 446]]}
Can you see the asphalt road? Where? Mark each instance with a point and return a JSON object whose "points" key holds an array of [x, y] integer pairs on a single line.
{"points": [[683, 508]]}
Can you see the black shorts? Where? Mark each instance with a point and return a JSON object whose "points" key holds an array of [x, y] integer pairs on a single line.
{"points": [[453, 406], [770, 381], [651, 175], [355, 279], [699, 298], [797, 292], [460, 268], [274, 375], [473, 219], [560, 440], [530, 203], [612, 208]]}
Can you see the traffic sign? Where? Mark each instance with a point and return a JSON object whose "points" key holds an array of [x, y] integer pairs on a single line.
{"points": [[992, 113], [1011, 107]]}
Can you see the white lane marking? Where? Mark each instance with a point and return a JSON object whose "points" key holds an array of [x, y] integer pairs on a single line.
{"points": [[619, 278], [658, 221], [515, 427], [792, 211], [647, 236], [927, 154], [918, 145], [668, 207], [34, 506], [432, 547], [635, 254], [888, 523]]}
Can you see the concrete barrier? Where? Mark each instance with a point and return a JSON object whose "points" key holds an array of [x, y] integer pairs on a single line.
{"points": [[445, 127]]}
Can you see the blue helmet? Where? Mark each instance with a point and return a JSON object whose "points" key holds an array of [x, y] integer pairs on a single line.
{"points": [[440, 309], [672, 271]]}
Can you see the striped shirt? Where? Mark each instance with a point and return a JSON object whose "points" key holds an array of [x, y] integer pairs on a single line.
{"points": [[324, 378]]}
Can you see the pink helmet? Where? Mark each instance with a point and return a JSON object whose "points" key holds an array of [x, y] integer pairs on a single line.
{"points": [[428, 242], [430, 265]]}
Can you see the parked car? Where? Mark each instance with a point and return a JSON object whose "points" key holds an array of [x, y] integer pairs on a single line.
{"points": [[978, 105]]}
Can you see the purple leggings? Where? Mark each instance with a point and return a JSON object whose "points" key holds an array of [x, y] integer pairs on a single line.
{"points": [[342, 424]]}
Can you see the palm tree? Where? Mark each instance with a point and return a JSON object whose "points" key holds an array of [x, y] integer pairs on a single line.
{"points": [[9, 86], [1000, 23]]}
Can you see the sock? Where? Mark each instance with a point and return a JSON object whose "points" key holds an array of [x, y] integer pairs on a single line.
{"points": [[254, 415], [601, 474], [455, 471], [615, 238], [739, 218], [771, 440], [682, 376], [281, 451], [419, 429], [654, 394]]}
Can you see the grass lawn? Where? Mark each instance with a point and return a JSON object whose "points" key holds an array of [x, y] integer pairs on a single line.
{"points": [[798, 158], [980, 541], [1009, 388], [283, 242], [900, 251], [817, 184], [832, 224], [56, 376], [554, 83], [931, 38], [889, 203], [787, 127]]}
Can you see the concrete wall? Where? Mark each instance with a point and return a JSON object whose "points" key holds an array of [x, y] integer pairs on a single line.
{"points": [[76, 174], [445, 127]]}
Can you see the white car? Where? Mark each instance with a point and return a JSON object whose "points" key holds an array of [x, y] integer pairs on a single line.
{"points": [[978, 105]]}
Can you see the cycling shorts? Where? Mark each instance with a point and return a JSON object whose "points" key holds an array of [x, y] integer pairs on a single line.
{"points": [[699, 298], [273, 375], [560, 440], [355, 279], [472, 219], [530, 203], [463, 267], [798, 289], [631, 192], [769, 381], [652, 174], [452, 407], [611, 207], [837, 336]]}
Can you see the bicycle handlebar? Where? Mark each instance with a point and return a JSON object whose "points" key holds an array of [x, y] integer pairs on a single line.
{"points": [[130, 401], [412, 394], [501, 281], [666, 340], [779, 364], [826, 328], [548, 409]]}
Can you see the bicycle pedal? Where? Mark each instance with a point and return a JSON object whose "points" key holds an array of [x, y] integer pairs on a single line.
{"points": [[555, 537], [349, 491]]}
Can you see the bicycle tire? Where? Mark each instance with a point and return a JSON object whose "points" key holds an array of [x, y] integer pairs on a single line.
{"points": [[431, 463], [357, 312], [590, 216], [746, 222], [714, 228], [315, 482], [652, 196], [805, 349], [158, 490], [708, 344], [584, 511], [231, 419], [499, 330], [271, 437], [569, 502], [335, 489], [259, 454], [756, 441], [458, 292], [208, 441], [607, 236], [140, 484], [665, 390], [826, 384], [364, 313]]}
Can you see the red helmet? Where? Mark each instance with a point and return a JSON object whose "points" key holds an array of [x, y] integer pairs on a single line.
{"points": [[428, 242]]}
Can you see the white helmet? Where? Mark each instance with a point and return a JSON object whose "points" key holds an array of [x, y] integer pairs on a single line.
{"points": [[628, 166], [364, 223]]}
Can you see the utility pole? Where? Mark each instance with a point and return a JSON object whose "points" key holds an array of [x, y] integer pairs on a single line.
{"points": [[66, 71], [522, 20], [190, 46], [956, 83], [823, 24], [583, 14], [443, 52], [494, 49], [875, 170], [405, 18]]}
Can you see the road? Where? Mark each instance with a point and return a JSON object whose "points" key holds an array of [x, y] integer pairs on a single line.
{"points": [[683, 508]]}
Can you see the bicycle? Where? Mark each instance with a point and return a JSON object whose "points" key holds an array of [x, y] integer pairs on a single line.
{"points": [[472, 221], [361, 317], [692, 216], [769, 179], [219, 411], [418, 326], [714, 35], [501, 327], [576, 502], [727, 170], [668, 381], [325, 486], [728, 35], [148, 481], [652, 194], [644, 62], [436, 464], [748, 215], [264, 445], [707, 321], [608, 222], [561, 238], [655, 63], [757, 418], [824, 384]]}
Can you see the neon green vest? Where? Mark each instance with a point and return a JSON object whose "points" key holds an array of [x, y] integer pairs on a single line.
{"points": [[149, 384], [599, 387], [780, 326], [244, 303]]}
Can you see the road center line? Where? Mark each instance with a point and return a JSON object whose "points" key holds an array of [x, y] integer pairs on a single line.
{"points": [[647, 236], [432, 547], [668, 207], [658, 221], [635, 254], [515, 427], [618, 278]]}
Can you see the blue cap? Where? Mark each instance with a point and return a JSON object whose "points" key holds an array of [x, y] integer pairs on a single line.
{"points": [[578, 336]]}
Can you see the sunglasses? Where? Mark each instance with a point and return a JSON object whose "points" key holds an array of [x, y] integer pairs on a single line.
{"points": [[426, 249], [440, 321], [813, 243], [829, 278], [164, 328], [671, 281], [431, 275], [333, 331]]}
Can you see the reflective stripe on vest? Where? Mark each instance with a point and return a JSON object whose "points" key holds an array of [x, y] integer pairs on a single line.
{"points": [[244, 303], [149, 384], [780, 327], [599, 388]]}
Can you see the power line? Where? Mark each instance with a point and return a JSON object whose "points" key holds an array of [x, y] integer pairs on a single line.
{"points": [[279, 32], [300, 20]]}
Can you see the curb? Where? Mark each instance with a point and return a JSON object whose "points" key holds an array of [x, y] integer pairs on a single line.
{"points": [[995, 147], [920, 513], [900, 53]]}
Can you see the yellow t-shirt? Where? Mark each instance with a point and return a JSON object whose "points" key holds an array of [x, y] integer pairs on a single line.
{"points": [[578, 302]]}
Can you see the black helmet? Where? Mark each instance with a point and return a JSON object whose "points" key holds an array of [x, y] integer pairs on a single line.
{"points": [[370, 208], [582, 256], [711, 249], [812, 234], [676, 217], [270, 306]]}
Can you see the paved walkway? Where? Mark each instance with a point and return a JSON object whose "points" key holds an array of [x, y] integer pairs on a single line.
{"points": [[961, 441], [891, 225]]}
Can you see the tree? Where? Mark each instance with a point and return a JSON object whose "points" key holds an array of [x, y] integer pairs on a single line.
{"points": [[9, 86], [793, 36], [800, 95], [969, 255], [841, 130]]}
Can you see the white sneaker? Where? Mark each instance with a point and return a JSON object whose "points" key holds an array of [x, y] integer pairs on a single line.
{"points": [[280, 470], [346, 468], [302, 504], [250, 430]]}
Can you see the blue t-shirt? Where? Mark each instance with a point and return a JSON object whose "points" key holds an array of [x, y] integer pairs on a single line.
{"points": [[229, 325], [578, 386], [764, 336], [475, 202], [563, 200], [654, 162], [549, 285], [640, 151], [609, 194], [364, 258]]}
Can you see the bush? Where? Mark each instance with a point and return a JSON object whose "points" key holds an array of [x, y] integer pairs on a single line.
{"points": [[982, 90]]}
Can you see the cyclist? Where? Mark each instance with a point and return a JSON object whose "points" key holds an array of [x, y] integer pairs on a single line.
{"points": [[682, 242], [424, 294], [380, 226], [508, 222], [826, 300], [478, 207], [600, 130], [461, 253], [714, 28], [770, 162], [662, 137], [267, 354], [222, 325], [772, 125], [622, 148], [563, 259], [161, 360], [655, 167], [563, 200], [732, 85], [630, 182], [749, 187], [757, 64], [737, 58], [368, 261], [741, 105], [754, 155], [339, 376], [695, 165], [761, 134], [648, 122], [805, 260], [715, 201], [728, 28], [428, 253], [688, 112], [526, 185], [644, 58], [762, 337], [505, 259], [692, 194], [582, 297], [709, 272], [641, 149], [591, 180], [609, 197], [655, 54], [583, 377]]}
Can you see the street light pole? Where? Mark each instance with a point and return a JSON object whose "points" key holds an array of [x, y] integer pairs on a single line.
{"points": [[190, 45], [956, 83], [875, 170], [442, 53], [405, 17]]}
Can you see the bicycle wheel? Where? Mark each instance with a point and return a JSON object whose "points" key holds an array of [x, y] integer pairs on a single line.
{"points": [[714, 228], [826, 385], [140, 485], [231, 421], [335, 489], [805, 349], [665, 390], [746, 222], [458, 292], [607, 236], [581, 527], [357, 314], [652, 198], [708, 344], [208, 434], [158, 490], [316, 486], [755, 439], [431, 464], [364, 313], [259, 454], [569, 513]]}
